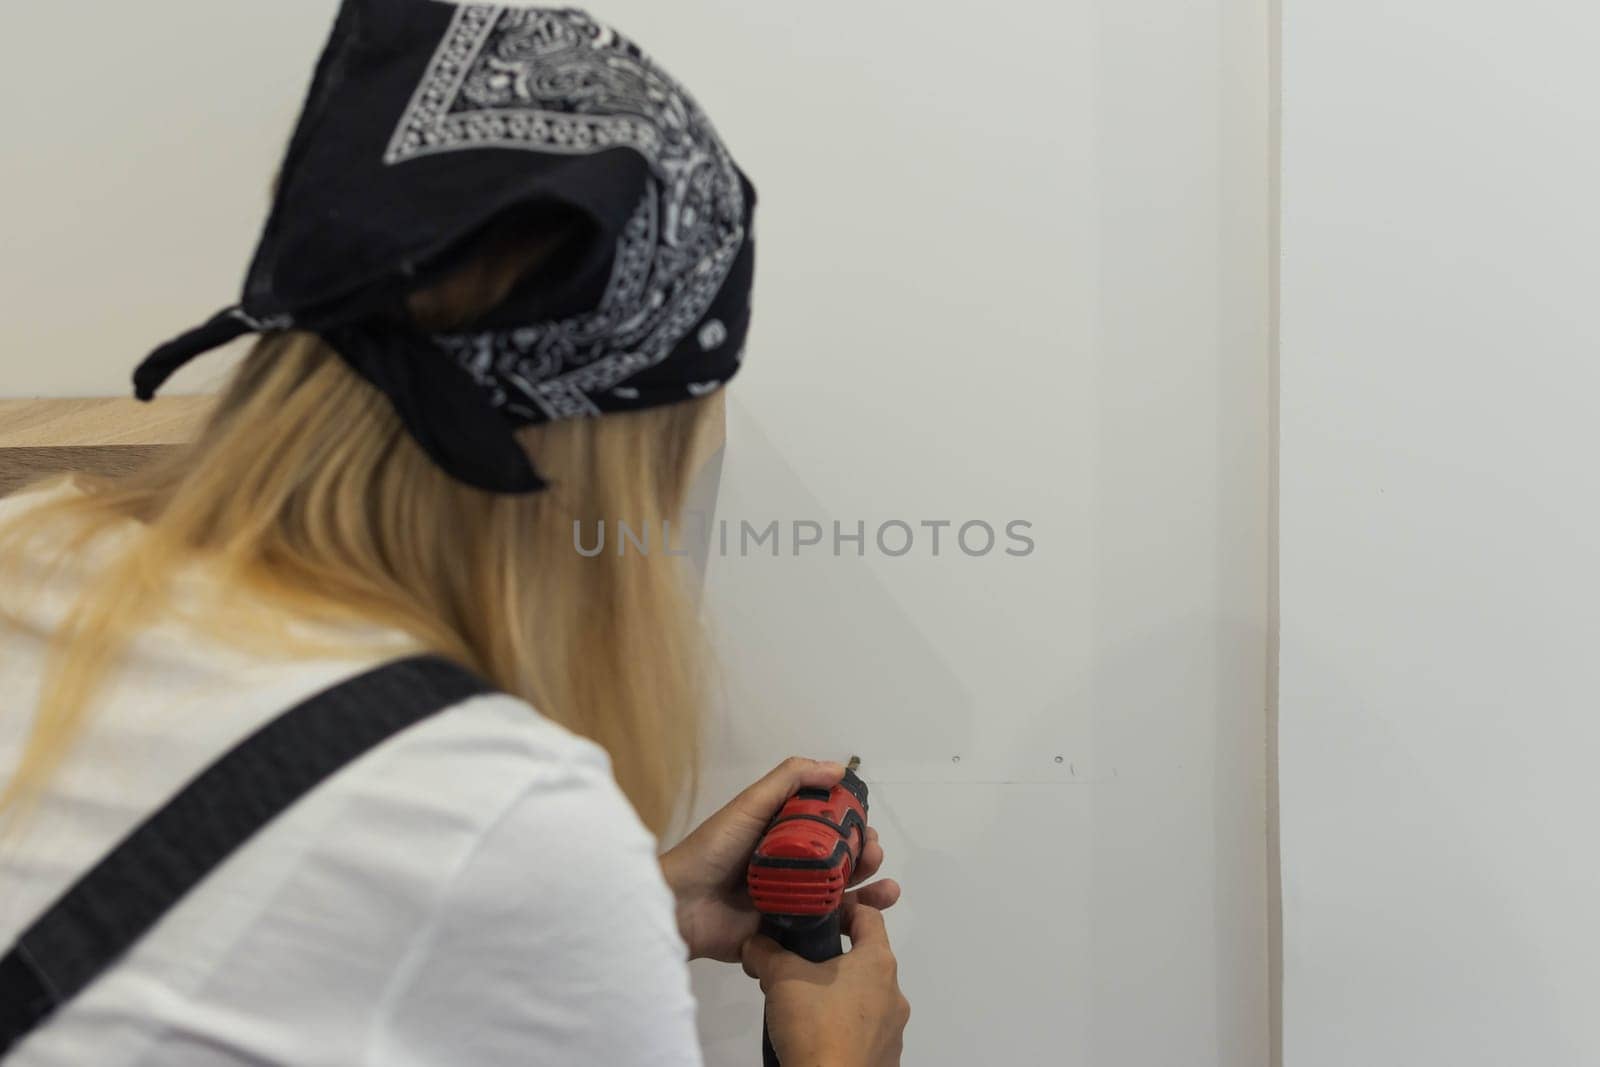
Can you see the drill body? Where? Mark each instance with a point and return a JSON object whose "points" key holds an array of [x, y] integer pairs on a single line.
{"points": [[798, 874]]}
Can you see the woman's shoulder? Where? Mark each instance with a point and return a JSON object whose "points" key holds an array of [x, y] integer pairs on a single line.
{"points": [[554, 936], [493, 753], [484, 837], [556, 932], [518, 730], [553, 929]]}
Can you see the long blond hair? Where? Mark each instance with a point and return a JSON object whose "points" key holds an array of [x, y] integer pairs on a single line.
{"points": [[304, 490]]}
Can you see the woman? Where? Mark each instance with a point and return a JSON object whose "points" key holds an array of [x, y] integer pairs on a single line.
{"points": [[489, 222]]}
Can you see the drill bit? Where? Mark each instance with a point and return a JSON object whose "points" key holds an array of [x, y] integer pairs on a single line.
{"points": [[854, 764]]}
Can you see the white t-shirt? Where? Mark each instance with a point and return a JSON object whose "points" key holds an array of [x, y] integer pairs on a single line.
{"points": [[475, 890]]}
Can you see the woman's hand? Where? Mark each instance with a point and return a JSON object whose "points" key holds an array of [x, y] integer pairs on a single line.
{"points": [[847, 1012], [706, 871]]}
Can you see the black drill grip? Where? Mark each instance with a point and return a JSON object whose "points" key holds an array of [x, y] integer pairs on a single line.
{"points": [[816, 940]]}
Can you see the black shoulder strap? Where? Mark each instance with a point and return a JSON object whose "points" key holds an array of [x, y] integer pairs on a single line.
{"points": [[126, 893]]}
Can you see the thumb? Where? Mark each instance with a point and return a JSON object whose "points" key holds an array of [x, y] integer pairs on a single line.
{"points": [[866, 926], [760, 957]]}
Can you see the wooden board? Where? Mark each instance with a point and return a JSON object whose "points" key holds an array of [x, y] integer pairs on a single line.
{"points": [[93, 422], [44, 437], [23, 466], [112, 436]]}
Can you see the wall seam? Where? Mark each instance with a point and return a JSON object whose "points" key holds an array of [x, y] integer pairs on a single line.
{"points": [[1274, 444]]}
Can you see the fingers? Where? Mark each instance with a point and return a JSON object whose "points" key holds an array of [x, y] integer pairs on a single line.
{"points": [[758, 957], [783, 781], [865, 927], [797, 771], [871, 858], [881, 895]]}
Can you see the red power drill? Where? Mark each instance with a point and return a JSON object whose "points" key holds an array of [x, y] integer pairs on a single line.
{"points": [[799, 872]]}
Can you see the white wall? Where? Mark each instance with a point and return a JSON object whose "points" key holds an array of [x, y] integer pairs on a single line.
{"points": [[142, 141], [1013, 266], [1440, 363]]}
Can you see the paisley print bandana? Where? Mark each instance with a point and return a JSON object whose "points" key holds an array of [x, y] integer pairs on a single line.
{"points": [[429, 124]]}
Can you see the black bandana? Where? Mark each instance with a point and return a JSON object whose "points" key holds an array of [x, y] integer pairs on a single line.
{"points": [[426, 124]]}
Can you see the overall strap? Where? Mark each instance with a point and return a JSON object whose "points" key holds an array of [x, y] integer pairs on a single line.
{"points": [[101, 916]]}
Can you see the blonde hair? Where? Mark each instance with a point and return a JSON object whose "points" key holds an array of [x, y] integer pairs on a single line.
{"points": [[303, 490]]}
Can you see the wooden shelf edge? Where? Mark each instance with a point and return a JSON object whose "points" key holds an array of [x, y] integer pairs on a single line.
{"points": [[51, 422]]}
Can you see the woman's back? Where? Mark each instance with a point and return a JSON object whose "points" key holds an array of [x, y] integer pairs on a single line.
{"points": [[505, 275], [474, 890]]}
